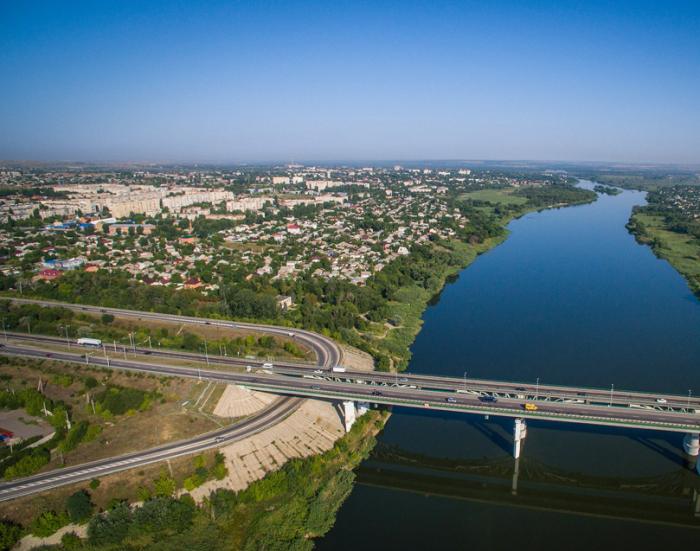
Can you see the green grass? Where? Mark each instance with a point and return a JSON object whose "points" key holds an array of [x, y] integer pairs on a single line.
{"points": [[496, 196], [682, 251]]}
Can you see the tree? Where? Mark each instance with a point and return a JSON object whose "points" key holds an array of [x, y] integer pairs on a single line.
{"points": [[9, 534], [79, 507]]}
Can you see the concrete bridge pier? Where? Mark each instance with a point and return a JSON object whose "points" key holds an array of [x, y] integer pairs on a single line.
{"points": [[691, 444], [516, 475], [351, 411], [519, 434]]}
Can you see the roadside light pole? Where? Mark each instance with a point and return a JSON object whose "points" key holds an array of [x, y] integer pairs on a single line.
{"points": [[465, 380], [206, 353], [690, 393], [3, 329], [537, 389], [612, 390]]}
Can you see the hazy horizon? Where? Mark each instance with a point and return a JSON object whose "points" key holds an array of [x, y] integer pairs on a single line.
{"points": [[163, 82]]}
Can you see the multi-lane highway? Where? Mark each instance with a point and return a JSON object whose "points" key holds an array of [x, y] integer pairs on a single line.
{"points": [[328, 353], [45, 481], [560, 403], [568, 404]]}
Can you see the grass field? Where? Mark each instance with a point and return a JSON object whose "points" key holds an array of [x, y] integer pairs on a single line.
{"points": [[496, 196], [680, 250]]}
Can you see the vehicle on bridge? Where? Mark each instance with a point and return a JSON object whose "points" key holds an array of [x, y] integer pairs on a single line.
{"points": [[530, 407], [338, 369], [488, 399], [95, 343], [267, 365]]}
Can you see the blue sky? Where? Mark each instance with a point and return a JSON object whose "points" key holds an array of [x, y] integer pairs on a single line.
{"points": [[255, 81]]}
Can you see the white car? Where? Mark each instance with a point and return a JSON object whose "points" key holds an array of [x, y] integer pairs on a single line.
{"points": [[318, 372], [661, 400]]}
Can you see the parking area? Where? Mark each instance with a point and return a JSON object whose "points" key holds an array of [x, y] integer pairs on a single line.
{"points": [[22, 425]]}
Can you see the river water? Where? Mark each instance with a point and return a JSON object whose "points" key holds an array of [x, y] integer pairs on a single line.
{"points": [[569, 298]]}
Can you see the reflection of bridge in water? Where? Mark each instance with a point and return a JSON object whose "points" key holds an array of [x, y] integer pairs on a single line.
{"points": [[669, 498]]}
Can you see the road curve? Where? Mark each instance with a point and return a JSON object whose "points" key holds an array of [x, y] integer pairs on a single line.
{"points": [[278, 410], [328, 353]]}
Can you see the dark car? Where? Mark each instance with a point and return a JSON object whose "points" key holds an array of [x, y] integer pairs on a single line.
{"points": [[488, 399], [377, 393]]}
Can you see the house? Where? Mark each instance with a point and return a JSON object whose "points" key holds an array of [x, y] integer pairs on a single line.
{"points": [[48, 275], [284, 302], [193, 283]]}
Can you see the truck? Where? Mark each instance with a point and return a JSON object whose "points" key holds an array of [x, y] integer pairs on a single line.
{"points": [[338, 369], [94, 343]]}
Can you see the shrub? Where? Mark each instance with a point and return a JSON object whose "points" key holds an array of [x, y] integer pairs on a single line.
{"points": [[47, 523], [79, 507], [9, 534]]}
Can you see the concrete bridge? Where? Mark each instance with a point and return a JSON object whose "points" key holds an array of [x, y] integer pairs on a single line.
{"points": [[358, 389]]}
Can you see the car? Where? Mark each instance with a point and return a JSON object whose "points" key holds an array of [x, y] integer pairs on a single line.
{"points": [[147, 352], [315, 387], [488, 399], [661, 401], [377, 393], [451, 400], [530, 407], [318, 372], [519, 388], [49, 355], [403, 380], [207, 323], [248, 368], [219, 439]]}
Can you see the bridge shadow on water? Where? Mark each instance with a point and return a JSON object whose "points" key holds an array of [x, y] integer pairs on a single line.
{"points": [[499, 430]]}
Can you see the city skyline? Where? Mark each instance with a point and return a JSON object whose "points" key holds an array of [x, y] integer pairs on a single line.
{"points": [[291, 82]]}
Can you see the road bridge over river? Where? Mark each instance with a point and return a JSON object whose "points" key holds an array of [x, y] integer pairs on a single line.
{"points": [[357, 389]]}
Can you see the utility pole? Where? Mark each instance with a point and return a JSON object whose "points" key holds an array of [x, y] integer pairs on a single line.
{"points": [[537, 389], [612, 390], [465, 380], [67, 337], [206, 353]]}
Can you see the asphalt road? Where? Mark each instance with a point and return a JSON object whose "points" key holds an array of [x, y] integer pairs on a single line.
{"points": [[328, 353], [345, 386], [273, 414]]}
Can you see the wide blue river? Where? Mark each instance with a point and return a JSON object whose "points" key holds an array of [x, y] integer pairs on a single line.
{"points": [[569, 298]]}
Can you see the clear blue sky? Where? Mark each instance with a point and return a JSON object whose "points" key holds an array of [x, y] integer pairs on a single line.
{"points": [[250, 81]]}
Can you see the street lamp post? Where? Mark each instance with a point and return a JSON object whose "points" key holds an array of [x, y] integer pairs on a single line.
{"points": [[690, 392], [3, 329], [537, 389], [465, 380], [612, 390]]}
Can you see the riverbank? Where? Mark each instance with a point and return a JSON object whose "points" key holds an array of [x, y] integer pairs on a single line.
{"points": [[287, 509], [681, 250], [404, 318]]}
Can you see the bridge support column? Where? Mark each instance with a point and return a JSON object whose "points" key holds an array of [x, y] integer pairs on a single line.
{"points": [[349, 414], [691, 444], [519, 434], [353, 410]]}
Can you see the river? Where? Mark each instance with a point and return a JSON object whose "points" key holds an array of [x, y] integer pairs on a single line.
{"points": [[569, 298]]}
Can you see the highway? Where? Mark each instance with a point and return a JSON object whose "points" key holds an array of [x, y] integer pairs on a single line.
{"points": [[328, 353], [476, 387], [273, 414], [474, 397]]}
